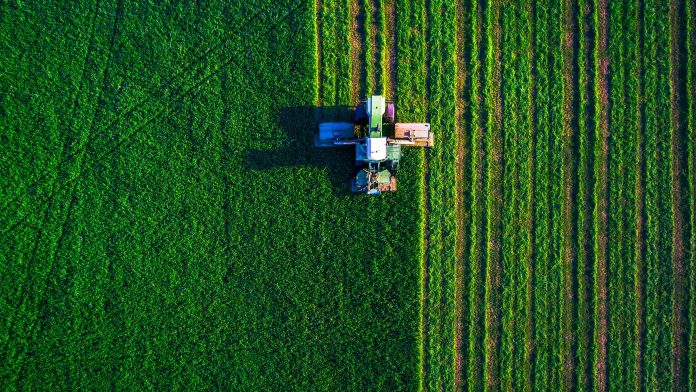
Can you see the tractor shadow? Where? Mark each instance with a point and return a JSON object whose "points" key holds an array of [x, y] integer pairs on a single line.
{"points": [[298, 126]]}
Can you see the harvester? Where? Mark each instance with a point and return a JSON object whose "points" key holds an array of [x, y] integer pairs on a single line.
{"points": [[377, 139]]}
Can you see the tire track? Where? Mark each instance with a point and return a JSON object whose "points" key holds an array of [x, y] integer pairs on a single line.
{"points": [[170, 87]]}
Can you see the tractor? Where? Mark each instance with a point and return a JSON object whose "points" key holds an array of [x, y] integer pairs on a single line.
{"points": [[377, 139]]}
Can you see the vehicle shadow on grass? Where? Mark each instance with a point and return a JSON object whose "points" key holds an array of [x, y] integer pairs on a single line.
{"points": [[299, 124]]}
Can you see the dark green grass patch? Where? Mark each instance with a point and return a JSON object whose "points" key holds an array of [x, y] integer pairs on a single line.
{"points": [[166, 221]]}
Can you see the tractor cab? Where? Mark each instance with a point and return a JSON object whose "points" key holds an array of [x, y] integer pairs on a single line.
{"points": [[377, 140]]}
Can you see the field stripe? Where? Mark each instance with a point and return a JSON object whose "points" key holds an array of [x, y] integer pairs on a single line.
{"points": [[585, 326], [359, 64], [514, 283], [691, 136], [601, 210], [570, 134], [679, 189], [494, 163], [463, 162], [318, 31], [555, 148], [476, 349], [409, 80], [657, 206], [640, 201], [441, 82], [526, 171], [390, 55]]}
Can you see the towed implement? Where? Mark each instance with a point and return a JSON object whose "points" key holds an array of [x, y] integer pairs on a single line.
{"points": [[377, 139]]}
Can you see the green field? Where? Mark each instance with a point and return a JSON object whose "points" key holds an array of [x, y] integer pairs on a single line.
{"points": [[166, 223]]}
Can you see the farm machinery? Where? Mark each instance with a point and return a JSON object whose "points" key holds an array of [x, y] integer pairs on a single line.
{"points": [[377, 139]]}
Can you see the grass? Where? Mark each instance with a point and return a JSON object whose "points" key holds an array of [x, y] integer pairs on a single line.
{"points": [[194, 238], [166, 223]]}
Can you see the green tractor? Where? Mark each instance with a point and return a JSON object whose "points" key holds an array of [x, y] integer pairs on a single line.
{"points": [[378, 140]]}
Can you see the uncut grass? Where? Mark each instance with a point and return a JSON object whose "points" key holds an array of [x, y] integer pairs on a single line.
{"points": [[411, 104], [180, 264]]}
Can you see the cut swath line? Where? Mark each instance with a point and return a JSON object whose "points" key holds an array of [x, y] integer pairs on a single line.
{"points": [[640, 205], [680, 212], [537, 325], [390, 57], [318, 6], [569, 235], [494, 200], [358, 61], [601, 194], [461, 219], [425, 269]]}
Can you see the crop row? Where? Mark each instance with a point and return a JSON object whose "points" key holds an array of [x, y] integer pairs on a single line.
{"points": [[622, 179], [441, 85], [691, 173], [657, 203], [514, 302], [474, 349]]}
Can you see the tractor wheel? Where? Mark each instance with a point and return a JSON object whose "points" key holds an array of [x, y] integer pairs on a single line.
{"points": [[360, 115], [390, 114]]}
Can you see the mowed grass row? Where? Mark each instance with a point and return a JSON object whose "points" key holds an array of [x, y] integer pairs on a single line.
{"points": [[691, 173], [475, 279], [622, 199], [441, 88], [515, 271], [657, 205], [547, 125]]}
